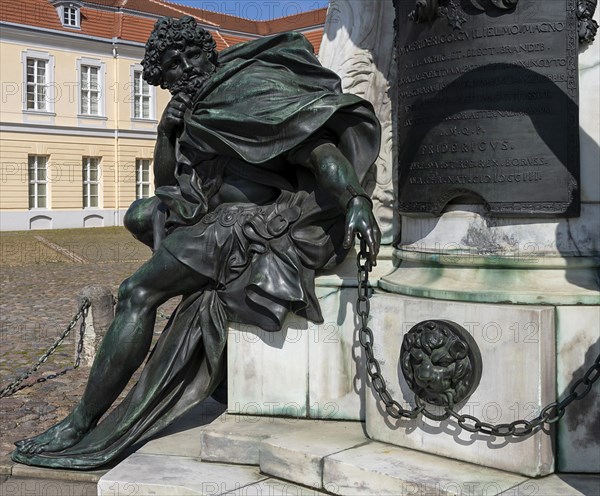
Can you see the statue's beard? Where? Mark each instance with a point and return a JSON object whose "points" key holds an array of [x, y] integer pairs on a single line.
{"points": [[191, 82]]}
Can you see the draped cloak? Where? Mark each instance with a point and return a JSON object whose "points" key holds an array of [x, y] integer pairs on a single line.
{"points": [[267, 105]]}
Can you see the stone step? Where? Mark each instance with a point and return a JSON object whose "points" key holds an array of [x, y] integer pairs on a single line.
{"points": [[275, 487], [298, 454], [169, 475], [287, 448], [382, 469], [336, 457], [237, 438], [183, 437], [559, 485], [278, 456]]}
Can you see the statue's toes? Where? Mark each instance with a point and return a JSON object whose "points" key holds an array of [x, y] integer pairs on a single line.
{"points": [[27, 449], [39, 449], [24, 445], [31, 447]]}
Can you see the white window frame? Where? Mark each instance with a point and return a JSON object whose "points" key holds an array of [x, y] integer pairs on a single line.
{"points": [[34, 182], [64, 6], [70, 16], [136, 72], [82, 63], [86, 165], [48, 107], [139, 178]]}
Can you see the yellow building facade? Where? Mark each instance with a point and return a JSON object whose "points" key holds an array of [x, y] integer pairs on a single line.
{"points": [[77, 122], [78, 129]]}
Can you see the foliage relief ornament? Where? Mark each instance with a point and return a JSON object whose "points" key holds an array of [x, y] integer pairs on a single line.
{"points": [[587, 27], [428, 10]]}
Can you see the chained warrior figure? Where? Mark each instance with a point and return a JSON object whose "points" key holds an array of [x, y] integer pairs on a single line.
{"points": [[258, 167]]}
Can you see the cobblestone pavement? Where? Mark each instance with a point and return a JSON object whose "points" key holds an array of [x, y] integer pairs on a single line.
{"points": [[41, 275]]}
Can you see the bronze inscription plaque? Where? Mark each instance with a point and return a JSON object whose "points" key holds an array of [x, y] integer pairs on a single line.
{"points": [[487, 105]]}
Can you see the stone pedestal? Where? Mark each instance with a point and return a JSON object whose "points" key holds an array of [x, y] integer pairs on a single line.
{"points": [[526, 289], [466, 263], [578, 343], [357, 46], [306, 369], [517, 345]]}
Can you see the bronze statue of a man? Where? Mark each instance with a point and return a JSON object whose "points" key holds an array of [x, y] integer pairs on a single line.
{"points": [[257, 165]]}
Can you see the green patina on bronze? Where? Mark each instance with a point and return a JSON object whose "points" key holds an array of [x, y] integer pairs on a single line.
{"points": [[258, 171]]}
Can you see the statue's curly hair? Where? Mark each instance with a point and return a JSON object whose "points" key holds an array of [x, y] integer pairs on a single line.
{"points": [[169, 33]]}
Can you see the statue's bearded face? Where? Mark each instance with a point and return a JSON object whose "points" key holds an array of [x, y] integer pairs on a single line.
{"points": [[185, 69]]}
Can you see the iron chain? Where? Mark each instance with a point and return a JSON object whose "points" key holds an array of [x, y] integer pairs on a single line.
{"points": [[17, 385], [365, 337], [549, 415]]}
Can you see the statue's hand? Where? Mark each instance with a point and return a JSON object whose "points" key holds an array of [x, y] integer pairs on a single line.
{"points": [[172, 118], [360, 220]]}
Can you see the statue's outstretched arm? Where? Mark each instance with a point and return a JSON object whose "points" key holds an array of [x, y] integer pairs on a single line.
{"points": [[336, 175]]}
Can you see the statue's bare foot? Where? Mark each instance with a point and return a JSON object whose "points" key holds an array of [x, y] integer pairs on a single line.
{"points": [[59, 437]]}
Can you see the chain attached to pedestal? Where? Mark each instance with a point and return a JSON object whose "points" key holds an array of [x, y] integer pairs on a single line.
{"points": [[16, 385], [365, 336], [549, 415]]}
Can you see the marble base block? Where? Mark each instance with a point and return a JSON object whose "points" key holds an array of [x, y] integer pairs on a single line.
{"points": [[306, 369], [299, 454], [268, 371], [517, 345], [238, 438], [578, 345]]}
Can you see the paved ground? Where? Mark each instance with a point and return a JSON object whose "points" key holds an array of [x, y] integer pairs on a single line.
{"points": [[41, 274], [28, 487]]}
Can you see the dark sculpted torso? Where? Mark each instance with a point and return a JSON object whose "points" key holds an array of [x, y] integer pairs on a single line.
{"points": [[229, 180], [235, 189]]}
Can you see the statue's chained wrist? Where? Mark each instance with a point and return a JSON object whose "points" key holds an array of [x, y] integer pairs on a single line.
{"points": [[350, 193]]}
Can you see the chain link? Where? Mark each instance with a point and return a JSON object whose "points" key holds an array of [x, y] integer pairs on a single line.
{"points": [[549, 415], [365, 337], [16, 385]]}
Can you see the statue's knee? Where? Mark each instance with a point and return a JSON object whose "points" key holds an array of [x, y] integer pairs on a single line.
{"points": [[134, 295], [124, 290], [138, 218]]}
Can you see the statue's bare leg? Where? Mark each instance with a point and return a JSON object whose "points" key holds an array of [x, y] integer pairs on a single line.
{"points": [[123, 349]]}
